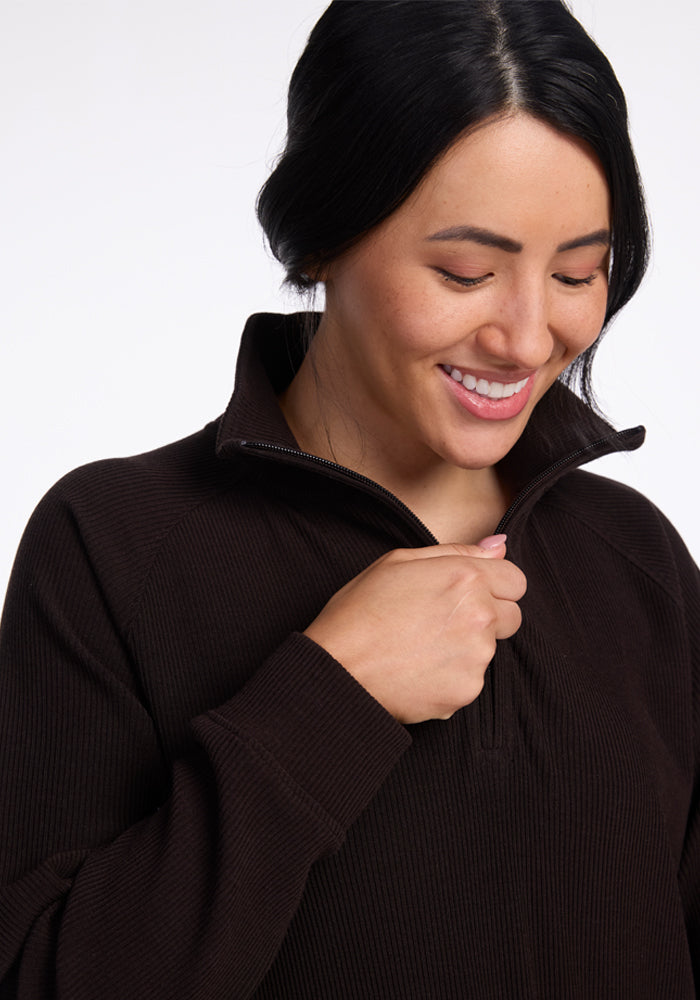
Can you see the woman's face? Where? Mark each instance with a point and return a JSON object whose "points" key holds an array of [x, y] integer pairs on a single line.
{"points": [[445, 326]]}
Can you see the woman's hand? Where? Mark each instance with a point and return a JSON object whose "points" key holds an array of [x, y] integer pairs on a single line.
{"points": [[418, 627]]}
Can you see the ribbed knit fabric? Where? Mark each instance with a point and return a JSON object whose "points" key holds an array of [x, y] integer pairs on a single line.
{"points": [[197, 802]]}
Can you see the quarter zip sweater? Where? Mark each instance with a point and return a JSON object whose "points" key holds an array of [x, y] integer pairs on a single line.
{"points": [[197, 801]]}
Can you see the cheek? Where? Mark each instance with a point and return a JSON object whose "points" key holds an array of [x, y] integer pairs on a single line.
{"points": [[425, 317], [406, 323], [582, 322]]}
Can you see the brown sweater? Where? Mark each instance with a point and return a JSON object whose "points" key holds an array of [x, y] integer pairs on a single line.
{"points": [[196, 801]]}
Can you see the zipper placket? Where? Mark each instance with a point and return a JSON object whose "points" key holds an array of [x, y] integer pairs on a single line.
{"points": [[547, 473], [375, 487], [491, 703], [345, 474]]}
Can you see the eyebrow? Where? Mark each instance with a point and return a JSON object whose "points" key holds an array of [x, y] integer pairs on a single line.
{"points": [[486, 238]]}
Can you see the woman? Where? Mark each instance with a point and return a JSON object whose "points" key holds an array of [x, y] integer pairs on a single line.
{"points": [[273, 722]]}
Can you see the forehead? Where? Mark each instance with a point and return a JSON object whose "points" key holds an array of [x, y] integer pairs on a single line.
{"points": [[510, 175]]}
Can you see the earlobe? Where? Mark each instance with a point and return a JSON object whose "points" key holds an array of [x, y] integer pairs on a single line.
{"points": [[320, 274], [314, 272]]}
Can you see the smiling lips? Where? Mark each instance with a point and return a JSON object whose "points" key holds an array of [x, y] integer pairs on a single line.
{"points": [[494, 390], [489, 399]]}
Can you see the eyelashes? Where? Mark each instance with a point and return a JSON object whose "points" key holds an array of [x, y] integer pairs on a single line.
{"points": [[457, 279], [474, 282], [575, 282]]}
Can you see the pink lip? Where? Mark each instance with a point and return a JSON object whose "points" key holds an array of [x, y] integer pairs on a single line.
{"points": [[490, 409]]}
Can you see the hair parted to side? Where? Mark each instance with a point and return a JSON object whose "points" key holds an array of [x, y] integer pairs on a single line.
{"points": [[385, 87]]}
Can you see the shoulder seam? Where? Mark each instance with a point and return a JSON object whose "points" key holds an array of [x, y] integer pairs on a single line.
{"points": [[133, 610], [580, 519]]}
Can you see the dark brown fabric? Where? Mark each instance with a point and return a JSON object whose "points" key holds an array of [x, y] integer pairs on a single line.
{"points": [[196, 801]]}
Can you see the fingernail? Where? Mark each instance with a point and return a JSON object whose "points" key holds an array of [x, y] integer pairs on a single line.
{"points": [[492, 541]]}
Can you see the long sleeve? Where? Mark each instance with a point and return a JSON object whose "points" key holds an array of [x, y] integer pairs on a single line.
{"points": [[689, 873], [125, 874]]}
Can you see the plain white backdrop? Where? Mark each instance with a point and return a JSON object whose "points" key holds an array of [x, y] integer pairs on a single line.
{"points": [[134, 135]]}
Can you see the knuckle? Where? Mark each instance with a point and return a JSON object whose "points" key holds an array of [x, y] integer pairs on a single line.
{"points": [[445, 712], [466, 577], [483, 617], [489, 650], [511, 621], [516, 616], [482, 651], [472, 689], [395, 555]]}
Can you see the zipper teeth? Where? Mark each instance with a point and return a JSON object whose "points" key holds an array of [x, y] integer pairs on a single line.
{"points": [[347, 473], [378, 488], [546, 473]]}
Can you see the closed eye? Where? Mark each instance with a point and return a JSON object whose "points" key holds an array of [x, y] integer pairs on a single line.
{"points": [[575, 282], [459, 279]]}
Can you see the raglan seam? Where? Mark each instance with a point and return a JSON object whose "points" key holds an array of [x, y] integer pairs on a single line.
{"points": [[610, 542]]}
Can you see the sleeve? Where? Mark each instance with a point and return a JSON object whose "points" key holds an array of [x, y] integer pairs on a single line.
{"points": [[124, 874], [689, 871]]}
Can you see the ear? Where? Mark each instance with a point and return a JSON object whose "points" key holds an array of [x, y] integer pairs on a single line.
{"points": [[314, 273]]}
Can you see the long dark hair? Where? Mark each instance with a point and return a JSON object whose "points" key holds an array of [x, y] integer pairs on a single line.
{"points": [[385, 87]]}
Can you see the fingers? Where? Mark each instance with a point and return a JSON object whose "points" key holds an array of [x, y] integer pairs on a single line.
{"points": [[418, 627], [493, 547], [509, 618], [504, 580], [449, 549], [492, 544]]}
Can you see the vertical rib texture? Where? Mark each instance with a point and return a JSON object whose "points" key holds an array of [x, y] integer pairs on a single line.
{"points": [[197, 801]]}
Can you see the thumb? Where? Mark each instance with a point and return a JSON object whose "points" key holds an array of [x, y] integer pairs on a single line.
{"points": [[491, 547]]}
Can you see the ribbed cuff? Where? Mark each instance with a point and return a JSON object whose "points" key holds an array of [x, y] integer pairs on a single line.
{"points": [[320, 725]]}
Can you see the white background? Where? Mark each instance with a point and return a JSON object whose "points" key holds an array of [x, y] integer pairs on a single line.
{"points": [[134, 135]]}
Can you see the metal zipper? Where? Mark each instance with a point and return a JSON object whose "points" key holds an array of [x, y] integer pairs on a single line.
{"points": [[490, 704], [387, 494], [552, 469], [345, 473]]}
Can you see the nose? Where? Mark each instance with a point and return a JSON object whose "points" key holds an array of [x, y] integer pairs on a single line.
{"points": [[519, 331]]}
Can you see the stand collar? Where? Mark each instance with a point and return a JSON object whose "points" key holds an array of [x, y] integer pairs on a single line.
{"points": [[563, 432]]}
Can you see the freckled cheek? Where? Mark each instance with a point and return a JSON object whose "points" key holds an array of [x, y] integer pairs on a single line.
{"points": [[410, 330], [582, 327]]}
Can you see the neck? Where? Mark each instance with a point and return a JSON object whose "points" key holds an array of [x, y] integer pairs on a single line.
{"points": [[457, 505]]}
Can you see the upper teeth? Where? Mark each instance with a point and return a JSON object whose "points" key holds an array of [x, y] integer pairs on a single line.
{"points": [[494, 390]]}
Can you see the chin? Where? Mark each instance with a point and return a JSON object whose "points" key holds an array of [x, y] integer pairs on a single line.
{"points": [[488, 447]]}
